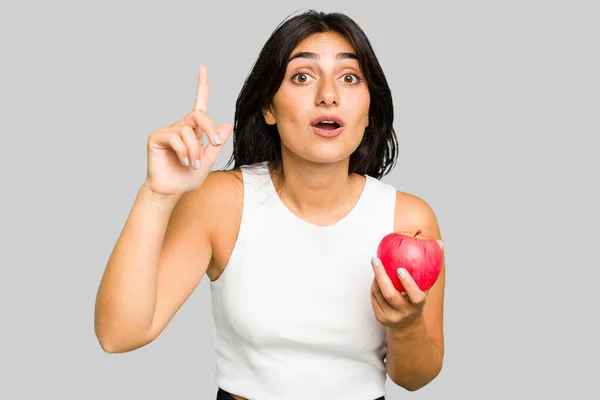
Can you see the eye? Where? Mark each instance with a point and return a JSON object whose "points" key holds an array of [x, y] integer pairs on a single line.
{"points": [[351, 78], [301, 77]]}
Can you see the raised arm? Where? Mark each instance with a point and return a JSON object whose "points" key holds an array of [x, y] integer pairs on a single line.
{"points": [[165, 246]]}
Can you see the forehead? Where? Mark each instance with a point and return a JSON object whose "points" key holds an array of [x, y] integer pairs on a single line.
{"points": [[324, 44]]}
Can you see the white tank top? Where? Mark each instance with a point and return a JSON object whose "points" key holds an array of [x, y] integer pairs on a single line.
{"points": [[292, 309]]}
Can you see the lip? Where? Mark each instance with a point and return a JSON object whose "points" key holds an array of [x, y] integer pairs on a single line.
{"points": [[322, 118], [327, 133]]}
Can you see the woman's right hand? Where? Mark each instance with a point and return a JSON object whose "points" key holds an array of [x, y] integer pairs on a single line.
{"points": [[177, 160]]}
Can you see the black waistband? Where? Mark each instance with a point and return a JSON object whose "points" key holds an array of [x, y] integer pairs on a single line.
{"points": [[223, 395]]}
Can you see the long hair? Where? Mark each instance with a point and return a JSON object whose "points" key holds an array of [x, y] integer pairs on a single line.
{"points": [[255, 141]]}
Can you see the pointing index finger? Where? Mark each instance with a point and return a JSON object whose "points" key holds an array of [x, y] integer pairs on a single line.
{"points": [[201, 102]]}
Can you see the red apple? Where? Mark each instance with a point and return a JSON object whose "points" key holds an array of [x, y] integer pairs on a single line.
{"points": [[420, 255]]}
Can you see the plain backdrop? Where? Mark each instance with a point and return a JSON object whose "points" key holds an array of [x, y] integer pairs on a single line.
{"points": [[497, 113]]}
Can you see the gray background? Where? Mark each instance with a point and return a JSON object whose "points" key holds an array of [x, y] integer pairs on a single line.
{"points": [[497, 113]]}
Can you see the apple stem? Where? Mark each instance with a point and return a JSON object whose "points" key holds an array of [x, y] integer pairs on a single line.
{"points": [[415, 235]]}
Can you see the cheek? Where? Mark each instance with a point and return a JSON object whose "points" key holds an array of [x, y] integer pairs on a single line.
{"points": [[361, 119], [366, 105], [291, 113], [360, 105]]}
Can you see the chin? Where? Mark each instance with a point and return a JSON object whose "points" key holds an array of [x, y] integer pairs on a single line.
{"points": [[326, 154]]}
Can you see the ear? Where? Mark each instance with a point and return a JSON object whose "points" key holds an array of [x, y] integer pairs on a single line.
{"points": [[269, 115]]}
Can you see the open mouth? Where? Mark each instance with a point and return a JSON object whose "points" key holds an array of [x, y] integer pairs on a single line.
{"points": [[327, 125]]}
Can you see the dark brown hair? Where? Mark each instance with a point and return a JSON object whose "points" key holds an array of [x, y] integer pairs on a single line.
{"points": [[255, 141]]}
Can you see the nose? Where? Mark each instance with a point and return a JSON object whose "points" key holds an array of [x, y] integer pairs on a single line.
{"points": [[327, 94]]}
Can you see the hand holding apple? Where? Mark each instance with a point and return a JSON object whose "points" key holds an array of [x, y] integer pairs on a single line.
{"points": [[420, 256], [393, 309]]}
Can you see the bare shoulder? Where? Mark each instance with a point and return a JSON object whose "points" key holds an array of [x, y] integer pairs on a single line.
{"points": [[220, 190], [219, 185], [414, 213], [218, 203]]}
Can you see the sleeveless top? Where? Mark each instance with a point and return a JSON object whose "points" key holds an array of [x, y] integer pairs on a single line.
{"points": [[292, 309]]}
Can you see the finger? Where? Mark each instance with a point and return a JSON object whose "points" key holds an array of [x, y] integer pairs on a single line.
{"points": [[194, 146], [211, 152], [399, 304], [201, 101], [389, 292], [201, 123], [413, 291], [172, 137], [381, 300], [378, 302], [174, 141]]}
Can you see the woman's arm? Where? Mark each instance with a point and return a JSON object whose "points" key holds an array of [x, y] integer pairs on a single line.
{"points": [[160, 257], [415, 353]]}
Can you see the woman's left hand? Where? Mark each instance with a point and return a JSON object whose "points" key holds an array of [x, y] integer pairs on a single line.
{"points": [[393, 309]]}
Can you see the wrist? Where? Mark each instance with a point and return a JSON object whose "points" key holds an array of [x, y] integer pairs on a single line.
{"points": [[415, 330], [163, 200]]}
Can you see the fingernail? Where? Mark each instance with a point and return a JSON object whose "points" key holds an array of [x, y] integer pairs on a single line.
{"points": [[186, 162], [217, 139], [401, 272], [375, 261], [197, 164]]}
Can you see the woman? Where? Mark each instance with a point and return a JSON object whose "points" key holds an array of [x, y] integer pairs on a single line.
{"points": [[286, 236]]}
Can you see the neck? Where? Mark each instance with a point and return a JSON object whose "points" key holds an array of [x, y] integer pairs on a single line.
{"points": [[316, 188]]}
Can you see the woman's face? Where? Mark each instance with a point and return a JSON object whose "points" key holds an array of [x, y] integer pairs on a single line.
{"points": [[323, 82]]}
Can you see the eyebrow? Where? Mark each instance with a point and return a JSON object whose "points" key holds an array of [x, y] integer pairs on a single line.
{"points": [[314, 56]]}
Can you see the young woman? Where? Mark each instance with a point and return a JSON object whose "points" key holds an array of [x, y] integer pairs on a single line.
{"points": [[302, 309]]}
